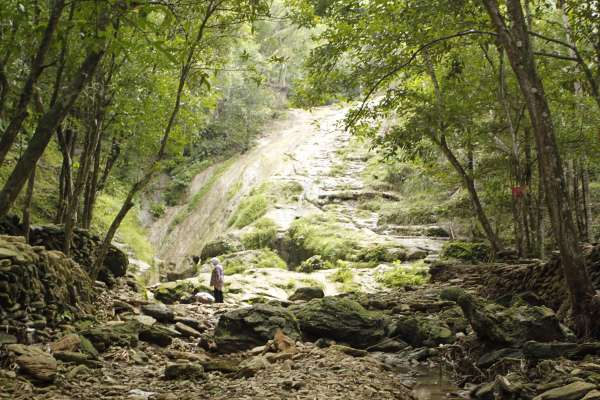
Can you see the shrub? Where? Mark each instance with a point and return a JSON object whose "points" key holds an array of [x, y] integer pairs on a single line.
{"points": [[157, 210], [466, 251], [402, 276]]}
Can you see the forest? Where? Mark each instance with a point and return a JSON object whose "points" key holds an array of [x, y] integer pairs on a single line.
{"points": [[402, 190]]}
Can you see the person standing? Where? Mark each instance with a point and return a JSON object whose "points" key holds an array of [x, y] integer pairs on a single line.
{"points": [[217, 279]]}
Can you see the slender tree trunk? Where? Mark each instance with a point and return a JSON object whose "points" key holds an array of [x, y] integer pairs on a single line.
{"points": [[50, 120], [91, 189], [515, 39], [587, 202], [37, 66], [27, 205]]}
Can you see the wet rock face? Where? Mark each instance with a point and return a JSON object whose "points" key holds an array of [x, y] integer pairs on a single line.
{"points": [[246, 328], [37, 286], [340, 319], [514, 325]]}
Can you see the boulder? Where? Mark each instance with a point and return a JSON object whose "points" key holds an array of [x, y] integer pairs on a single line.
{"points": [[572, 391], [511, 326], [340, 319], [159, 311], [420, 331], [33, 362], [189, 370], [249, 327], [115, 333], [219, 247], [540, 351], [178, 291], [158, 335], [314, 263], [307, 293], [252, 365]]}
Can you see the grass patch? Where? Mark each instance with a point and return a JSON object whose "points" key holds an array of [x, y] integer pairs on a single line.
{"points": [[344, 277], [401, 276], [235, 189], [466, 251], [262, 235], [309, 282], [240, 263], [130, 232]]}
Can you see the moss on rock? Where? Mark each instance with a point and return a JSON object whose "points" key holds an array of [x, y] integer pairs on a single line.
{"points": [[466, 251]]}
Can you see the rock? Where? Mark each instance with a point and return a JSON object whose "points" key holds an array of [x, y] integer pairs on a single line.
{"points": [[178, 291], [119, 333], [145, 320], [466, 251], [416, 254], [489, 359], [204, 298], [193, 323], [349, 350], [249, 327], [34, 362], [572, 391], [538, 351], [436, 231], [251, 366], [593, 395], [72, 357], [219, 247], [484, 391], [221, 365], [191, 371], [314, 263], [158, 335], [389, 346], [122, 307], [451, 293], [159, 311], [6, 338], [69, 342], [186, 331], [419, 331], [307, 293], [515, 325], [340, 319]]}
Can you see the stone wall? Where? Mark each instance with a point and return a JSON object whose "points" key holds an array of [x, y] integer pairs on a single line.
{"points": [[38, 287], [84, 246]]}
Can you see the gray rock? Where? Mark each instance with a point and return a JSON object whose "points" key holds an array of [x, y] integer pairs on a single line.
{"points": [[123, 334], [539, 351], [186, 331]]}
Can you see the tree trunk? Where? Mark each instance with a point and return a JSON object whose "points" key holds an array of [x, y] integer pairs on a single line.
{"points": [[515, 39], [27, 205], [587, 202], [37, 66], [91, 190], [50, 120], [66, 142]]}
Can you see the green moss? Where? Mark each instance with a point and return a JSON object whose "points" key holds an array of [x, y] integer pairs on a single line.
{"points": [[466, 251], [249, 210], [402, 276], [381, 253], [310, 282], [239, 263], [323, 235], [234, 189], [261, 236]]}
